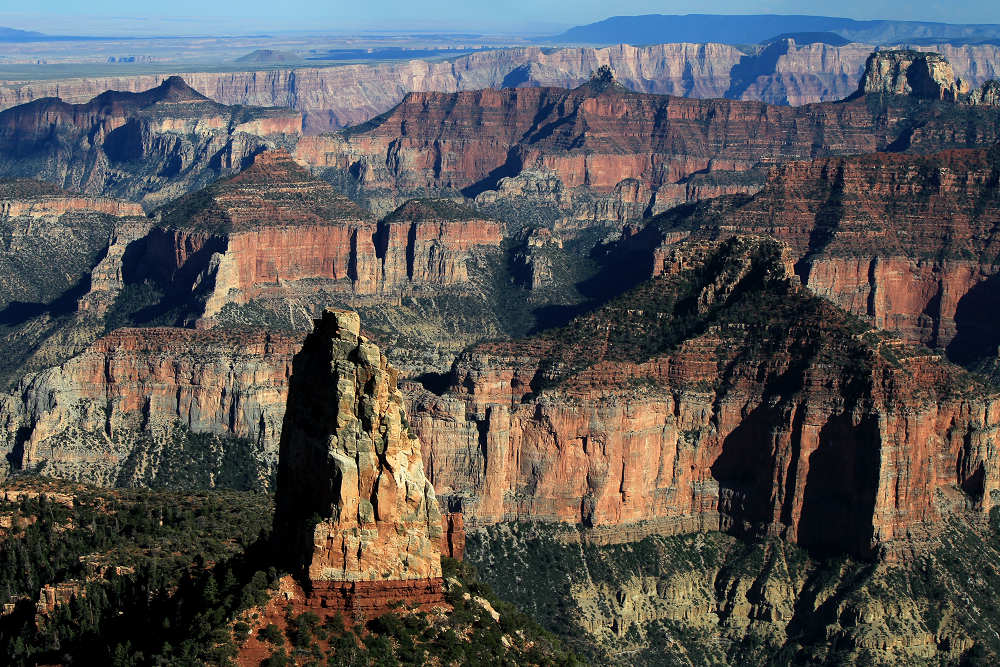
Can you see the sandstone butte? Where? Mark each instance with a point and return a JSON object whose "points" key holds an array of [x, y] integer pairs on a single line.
{"points": [[639, 153], [273, 224], [907, 72], [719, 395], [334, 97], [356, 518], [148, 146], [909, 242]]}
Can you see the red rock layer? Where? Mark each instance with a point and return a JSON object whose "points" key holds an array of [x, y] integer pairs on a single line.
{"points": [[368, 599], [452, 535], [629, 147], [136, 380], [274, 224], [736, 428], [901, 239]]}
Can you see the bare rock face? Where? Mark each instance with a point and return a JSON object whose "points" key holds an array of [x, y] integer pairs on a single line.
{"points": [[43, 228], [147, 146], [920, 74], [356, 516], [275, 231], [120, 411], [334, 97], [428, 242], [662, 413], [602, 153], [909, 242]]}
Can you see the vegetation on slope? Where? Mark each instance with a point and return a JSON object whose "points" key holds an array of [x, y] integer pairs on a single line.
{"points": [[713, 599], [169, 578]]}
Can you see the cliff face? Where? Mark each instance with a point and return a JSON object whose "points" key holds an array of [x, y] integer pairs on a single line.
{"points": [[274, 230], [148, 146], [330, 98], [42, 227], [122, 411], [609, 154], [716, 396], [355, 513], [925, 75], [909, 242]]}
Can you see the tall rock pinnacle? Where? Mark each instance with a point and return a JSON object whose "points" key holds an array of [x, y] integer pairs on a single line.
{"points": [[356, 516]]}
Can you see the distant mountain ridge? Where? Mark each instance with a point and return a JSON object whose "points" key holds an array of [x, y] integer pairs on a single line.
{"points": [[17, 36], [756, 28]]}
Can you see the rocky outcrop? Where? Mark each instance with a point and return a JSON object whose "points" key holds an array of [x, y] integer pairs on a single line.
{"points": [[334, 97], [355, 515], [42, 228], [118, 412], [429, 242], [988, 95], [452, 535], [146, 146], [719, 395], [909, 242], [920, 74]]}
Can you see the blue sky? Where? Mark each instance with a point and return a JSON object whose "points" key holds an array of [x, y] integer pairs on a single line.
{"points": [[240, 16]]}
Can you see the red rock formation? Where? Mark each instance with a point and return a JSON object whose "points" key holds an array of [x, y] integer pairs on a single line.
{"points": [[354, 513], [274, 224], [782, 417], [148, 146], [334, 97], [428, 242], [88, 414], [452, 535], [908, 241], [638, 152]]}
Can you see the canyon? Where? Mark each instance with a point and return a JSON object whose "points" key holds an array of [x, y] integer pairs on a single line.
{"points": [[602, 153], [712, 397], [330, 98], [907, 241], [148, 146]]}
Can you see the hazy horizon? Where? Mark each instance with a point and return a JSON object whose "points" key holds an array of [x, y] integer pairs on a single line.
{"points": [[118, 18]]}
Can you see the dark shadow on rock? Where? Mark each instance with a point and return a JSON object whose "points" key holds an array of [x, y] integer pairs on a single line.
{"points": [[977, 324], [744, 468], [18, 312], [838, 502]]}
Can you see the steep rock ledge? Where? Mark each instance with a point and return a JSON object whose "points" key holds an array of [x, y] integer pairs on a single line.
{"points": [[718, 395]]}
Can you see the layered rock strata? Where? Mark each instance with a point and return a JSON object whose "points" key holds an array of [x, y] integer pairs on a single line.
{"points": [[147, 146], [49, 240], [600, 152], [109, 414], [329, 98], [355, 514], [909, 242], [925, 75], [274, 230], [717, 396]]}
